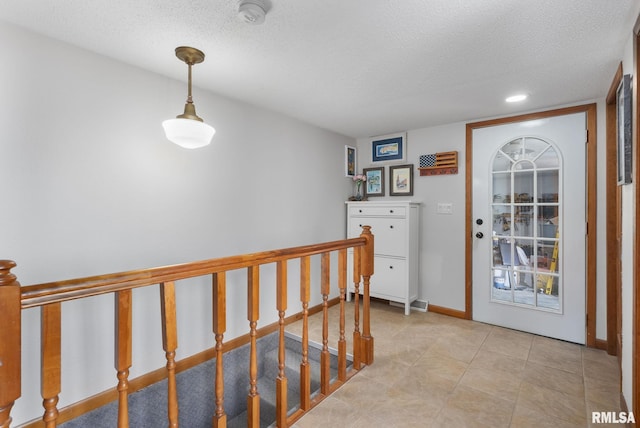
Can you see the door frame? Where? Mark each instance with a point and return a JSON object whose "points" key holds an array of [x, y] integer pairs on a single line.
{"points": [[614, 228], [591, 176]]}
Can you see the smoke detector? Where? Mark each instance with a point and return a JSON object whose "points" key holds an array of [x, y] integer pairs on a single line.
{"points": [[252, 11]]}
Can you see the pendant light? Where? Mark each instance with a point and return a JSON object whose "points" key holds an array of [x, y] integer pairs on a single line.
{"points": [[188, 130]]}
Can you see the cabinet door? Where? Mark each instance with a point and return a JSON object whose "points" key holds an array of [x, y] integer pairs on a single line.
{"points": [[389, 236], [390, 278], [389, 233]]}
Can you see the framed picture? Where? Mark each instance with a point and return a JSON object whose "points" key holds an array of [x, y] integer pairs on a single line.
{"points": [[389, 148], [349, 161], [623, 98], [374, 186], [401, 180]]}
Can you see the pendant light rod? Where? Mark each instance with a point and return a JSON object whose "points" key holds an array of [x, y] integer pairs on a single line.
{"points": [[189, 56]]}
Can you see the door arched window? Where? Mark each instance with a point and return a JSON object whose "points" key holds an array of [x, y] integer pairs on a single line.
{"points": [[526, 206]]}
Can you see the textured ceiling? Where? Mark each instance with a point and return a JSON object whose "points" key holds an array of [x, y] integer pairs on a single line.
{"points": [[361, 67]]}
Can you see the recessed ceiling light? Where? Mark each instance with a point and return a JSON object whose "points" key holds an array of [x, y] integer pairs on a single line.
{"points": [[516, 98]]}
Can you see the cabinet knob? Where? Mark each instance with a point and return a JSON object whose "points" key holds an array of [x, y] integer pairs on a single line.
{"points": [[391, 227], [359, 211], [390, 267], [391, 211]]}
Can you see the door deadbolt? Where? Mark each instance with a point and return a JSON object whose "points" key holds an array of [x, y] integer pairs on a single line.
{"points": [[479, 235], [479, 221]]}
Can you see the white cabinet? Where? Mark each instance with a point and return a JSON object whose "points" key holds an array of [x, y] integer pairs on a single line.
{"points": [[395, 226]]}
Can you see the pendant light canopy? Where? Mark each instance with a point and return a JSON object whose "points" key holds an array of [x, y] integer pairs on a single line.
{"points": [[188, 130]]}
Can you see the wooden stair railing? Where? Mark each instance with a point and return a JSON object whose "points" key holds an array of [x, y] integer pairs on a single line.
{"points": [[49, 296]]}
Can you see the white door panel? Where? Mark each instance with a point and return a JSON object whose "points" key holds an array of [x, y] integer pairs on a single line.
{"points": [[529, 196]]}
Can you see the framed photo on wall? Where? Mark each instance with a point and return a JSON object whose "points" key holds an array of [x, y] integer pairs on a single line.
{"points": [[392, 147], [401, 180], [374, 186], [349, 161], [623, 110]]}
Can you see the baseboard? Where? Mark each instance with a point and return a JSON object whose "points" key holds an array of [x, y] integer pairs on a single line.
{"points": [[91, 403], [601, 344], [447, 311]]}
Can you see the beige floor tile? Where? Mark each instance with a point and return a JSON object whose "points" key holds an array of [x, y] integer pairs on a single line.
{"points": [[468, 407], [552, 378], [557, 354], [431, 370], [602, 394], [499, 383], [598, 365], [488, 359], [332, 412], [560, 405], [524, 417], [456, 348], [508, 342], [446, 367]]}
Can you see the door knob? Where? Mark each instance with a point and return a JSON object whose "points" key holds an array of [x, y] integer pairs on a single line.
{"points": [[479, 235]]}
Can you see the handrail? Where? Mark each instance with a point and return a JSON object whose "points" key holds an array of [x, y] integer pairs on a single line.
{"points": [[49, 296], [60, 291]]}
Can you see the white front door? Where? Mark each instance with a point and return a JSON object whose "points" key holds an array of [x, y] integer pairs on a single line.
{"points": [[529, 217]]}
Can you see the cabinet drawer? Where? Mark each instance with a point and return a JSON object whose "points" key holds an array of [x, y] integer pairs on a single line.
{"points": [[394, 211], [389, 278]]}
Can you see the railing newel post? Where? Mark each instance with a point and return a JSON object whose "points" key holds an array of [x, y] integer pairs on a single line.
{"points": [[367, 272], [357, 256], [10, 341]]}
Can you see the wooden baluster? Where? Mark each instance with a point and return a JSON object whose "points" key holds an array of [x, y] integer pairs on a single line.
{"points": [[305, 368], [50, 319], [219, 328], [123, 353], [342, 343], [170, 344], [281, 380], [325, 361], [356, 308], [367, 271], [253, 313], [10, 341]]}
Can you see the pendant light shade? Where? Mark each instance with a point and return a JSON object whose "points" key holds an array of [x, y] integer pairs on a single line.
{"points": [[188, 130], [188, 133]]}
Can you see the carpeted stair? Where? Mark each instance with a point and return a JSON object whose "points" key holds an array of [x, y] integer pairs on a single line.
{"points": [[148, 407]]}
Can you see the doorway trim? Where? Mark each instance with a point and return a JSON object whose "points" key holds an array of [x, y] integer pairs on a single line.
{"points": [[591, 175], [614, 227]]}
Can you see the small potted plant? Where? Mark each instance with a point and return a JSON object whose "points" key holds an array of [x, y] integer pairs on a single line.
{"points": [[359, 179]]}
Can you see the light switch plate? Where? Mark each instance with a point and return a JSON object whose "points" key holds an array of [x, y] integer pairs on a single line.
{"points": [[444, 208]]}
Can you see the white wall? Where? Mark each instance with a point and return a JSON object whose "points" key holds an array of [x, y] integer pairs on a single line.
{"points": [[441, 236], [628, 231], [91, 185]]}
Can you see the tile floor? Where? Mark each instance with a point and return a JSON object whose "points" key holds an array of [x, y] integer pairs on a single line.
{"points": [[432, 370]]}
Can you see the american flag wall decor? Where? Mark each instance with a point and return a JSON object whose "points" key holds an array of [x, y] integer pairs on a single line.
{"points": [[439, 163]]}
